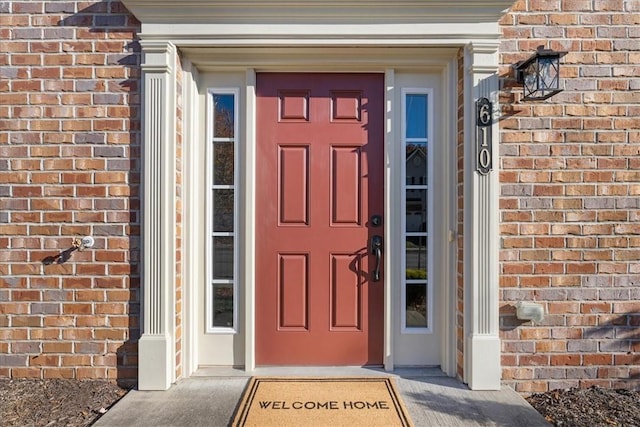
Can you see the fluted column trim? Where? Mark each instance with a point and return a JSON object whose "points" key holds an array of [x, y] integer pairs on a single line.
{"points": [[481, 234], [157, 344]]}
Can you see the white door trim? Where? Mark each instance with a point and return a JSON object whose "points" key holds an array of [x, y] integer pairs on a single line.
{"points": [[250, 223], [394, 157], [430, 60], [191, 137], [389, 216], [384, 59]]}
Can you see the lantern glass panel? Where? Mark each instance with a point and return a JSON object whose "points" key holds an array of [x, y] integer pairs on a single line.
{"points": [[548, 73]]}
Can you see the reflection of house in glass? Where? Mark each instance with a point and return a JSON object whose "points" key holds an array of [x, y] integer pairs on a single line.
{"points": [[416, 238], [416, 181]]}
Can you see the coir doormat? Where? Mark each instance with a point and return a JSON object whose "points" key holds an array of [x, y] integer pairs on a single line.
{"points": [[353, 402]]}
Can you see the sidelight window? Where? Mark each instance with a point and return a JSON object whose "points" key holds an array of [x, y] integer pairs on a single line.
{"points": [[416, 286], [222, 207]]}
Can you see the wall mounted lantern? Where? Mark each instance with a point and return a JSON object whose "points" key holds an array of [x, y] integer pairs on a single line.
{"points": [[540, 74]]}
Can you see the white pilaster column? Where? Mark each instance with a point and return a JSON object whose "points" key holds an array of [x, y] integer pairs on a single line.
{"points": [[192, 200], [156, 348], [391, 216], [481, 234], [249, 234]]}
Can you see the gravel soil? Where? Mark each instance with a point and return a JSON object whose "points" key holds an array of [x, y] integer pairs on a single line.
{"points": [[591, 407], [74, 403], [55, 402]]}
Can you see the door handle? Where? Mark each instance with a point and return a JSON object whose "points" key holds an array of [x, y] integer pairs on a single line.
{"points": [[376, 249]]}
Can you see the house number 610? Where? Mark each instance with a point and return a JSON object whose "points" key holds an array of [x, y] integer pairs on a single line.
{"points": [[483, 136]]}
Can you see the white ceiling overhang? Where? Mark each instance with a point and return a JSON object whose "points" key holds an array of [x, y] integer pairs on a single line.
{"points": [[192, 22]]}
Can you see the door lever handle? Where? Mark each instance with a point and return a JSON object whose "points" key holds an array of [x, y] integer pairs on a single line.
{"points": [[376, 249]]}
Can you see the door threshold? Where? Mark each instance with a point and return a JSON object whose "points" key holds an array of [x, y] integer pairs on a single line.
{"points": [[319, 371]]}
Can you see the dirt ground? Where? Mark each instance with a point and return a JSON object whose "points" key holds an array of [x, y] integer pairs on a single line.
{"points": [[589, 407], [55, 402], [74, 403]]}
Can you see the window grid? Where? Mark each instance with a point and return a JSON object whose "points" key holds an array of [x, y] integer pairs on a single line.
{"points": [[416, 312], [222, 223]]}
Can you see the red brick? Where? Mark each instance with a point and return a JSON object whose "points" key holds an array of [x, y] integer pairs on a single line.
{"points": [[90, 373], [77, 334], [67, 373], [565, 360], [550, 346], [535, 281], [77, 308], [563, 307], [93, 321], [597, 359], [44, 360], [75, 360]]}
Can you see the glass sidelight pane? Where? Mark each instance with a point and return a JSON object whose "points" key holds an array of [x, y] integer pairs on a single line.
{"points": [[416, 307], [416, 256], [223, 115], [416, 192], [222, 210], [416, 202], [222, 306], [222, 258], [223, 163], [221, 206], [416, 164], [416, 116]]}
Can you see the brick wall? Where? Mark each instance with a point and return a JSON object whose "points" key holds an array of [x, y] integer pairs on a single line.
{"points": [[69, 167], [570, 206]]}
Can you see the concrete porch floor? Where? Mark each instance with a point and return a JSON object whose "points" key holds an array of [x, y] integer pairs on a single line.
{"points": [[209, 398]]}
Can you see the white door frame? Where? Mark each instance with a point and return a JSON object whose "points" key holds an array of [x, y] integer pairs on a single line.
{"points": [[442, 62]]}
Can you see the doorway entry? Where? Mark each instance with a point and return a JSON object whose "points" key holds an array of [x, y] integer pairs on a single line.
{"points": [[319, 225], [323, 162]]}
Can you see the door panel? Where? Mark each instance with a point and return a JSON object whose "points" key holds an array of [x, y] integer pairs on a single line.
{"points": [[346, 193], [293, 292], [319, 180], [293, 182], [346, 296]]}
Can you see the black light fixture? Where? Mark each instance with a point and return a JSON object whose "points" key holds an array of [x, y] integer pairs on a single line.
{"points": [[540, 74]]}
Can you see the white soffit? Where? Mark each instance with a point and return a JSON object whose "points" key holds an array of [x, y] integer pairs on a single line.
{"points": [[283, 19], [318, 58]]}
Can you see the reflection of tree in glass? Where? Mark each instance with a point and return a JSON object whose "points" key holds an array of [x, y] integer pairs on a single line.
{"points": [[223, 163], [223, 210], [223, 128], [223, 116], [416, 274], [223, 257], [223, 306], [417, 302]]}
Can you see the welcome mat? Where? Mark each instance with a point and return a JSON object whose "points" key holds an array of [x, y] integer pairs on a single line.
{"points": [[295, 401]]}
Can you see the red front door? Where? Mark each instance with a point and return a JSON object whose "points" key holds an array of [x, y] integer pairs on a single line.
{"points": [[319, 183]]}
